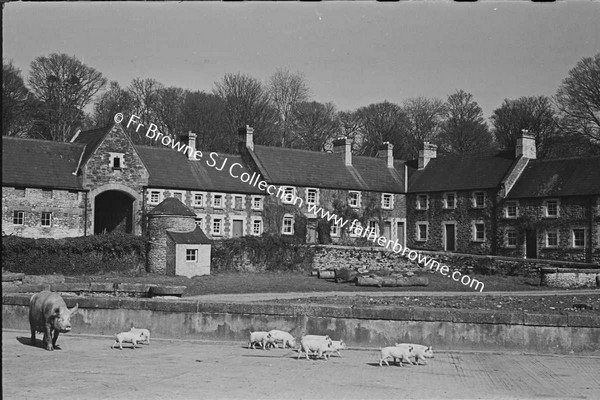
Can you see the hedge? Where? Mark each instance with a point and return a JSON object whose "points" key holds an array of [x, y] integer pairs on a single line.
{"points": [[84, 255], [260, 254]]}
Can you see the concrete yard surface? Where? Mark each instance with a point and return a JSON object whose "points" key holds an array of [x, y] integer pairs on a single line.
{"points": [[87, 368]]}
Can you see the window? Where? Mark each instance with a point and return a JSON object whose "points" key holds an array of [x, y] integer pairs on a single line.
{"points": [[422, 231], [20, 192], [191, 255], [217, 226], [288, 225], [354, 199], [257, 226], [238, 202], [579, 237], [177, 195], [387, 201], [478, 231], [551, 238], [449, 200], [510, 211], [478, 199], [373, 227], [511, 238], [199, 220], [334, 230], [46, 219], [198, 199], [47, 193], [312, 196], [18, 217], [422, 201], [289, 194], [154, 197], [218, 200], [257, 203], [356, 231], [116, 160], [551, 207]]}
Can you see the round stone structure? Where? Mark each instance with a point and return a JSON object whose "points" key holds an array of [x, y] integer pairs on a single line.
{"points": [[170, 214]]}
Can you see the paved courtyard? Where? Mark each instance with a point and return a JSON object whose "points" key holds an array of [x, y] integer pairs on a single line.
{"points": [[87, 368]]}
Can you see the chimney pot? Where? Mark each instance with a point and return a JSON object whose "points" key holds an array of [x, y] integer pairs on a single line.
{"points": [[192, 144]]}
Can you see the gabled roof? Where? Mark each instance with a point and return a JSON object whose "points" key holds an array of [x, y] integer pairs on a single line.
{"points": [[172, 169], [91, 139], [196, 236], [40, 163], [281, 166], [558, 177], [172, 206], [450, 173]]}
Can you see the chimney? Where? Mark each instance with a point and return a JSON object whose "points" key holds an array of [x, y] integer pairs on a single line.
{"points": [[342, 145], [526, 146], [192, 144], [386, 151], [429, 151], [246, 138]]}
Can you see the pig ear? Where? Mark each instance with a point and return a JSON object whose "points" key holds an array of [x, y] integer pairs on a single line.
{"points": [[74, 309]]}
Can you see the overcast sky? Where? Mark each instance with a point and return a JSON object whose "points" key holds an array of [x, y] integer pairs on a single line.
{"points": [[351, 53]]}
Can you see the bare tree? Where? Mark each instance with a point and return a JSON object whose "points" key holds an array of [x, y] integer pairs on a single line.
{"points": [[578, 99], [378, 123], [314, 126], [64, 86], [425, 118], [286, 91], [246, 102], [112, 101], [204, 114], [534, 114], [464, 130], [16, 102]]}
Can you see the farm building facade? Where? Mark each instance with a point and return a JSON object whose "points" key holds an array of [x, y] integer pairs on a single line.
{"points": [[498, 204]]}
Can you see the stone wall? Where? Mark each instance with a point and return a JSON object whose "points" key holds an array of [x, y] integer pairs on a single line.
{"points": [[67, 208], [331, 257]]}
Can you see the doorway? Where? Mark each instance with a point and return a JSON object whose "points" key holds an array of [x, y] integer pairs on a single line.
{"points": [[530, 243], [450, 237], [113, 212]]}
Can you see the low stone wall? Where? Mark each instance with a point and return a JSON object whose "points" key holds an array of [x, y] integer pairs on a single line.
{"points": [[330, 257], [445, 329], [570, 278]]}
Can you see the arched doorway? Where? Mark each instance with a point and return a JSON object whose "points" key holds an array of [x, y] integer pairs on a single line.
{"points": [[113, 211]]}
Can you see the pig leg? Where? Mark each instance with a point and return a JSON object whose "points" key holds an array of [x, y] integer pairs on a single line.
{"points": [[134, 343], [55, 338], [48, 336], [33, 336]]}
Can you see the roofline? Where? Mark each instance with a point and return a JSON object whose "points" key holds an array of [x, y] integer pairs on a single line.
{"points": [[20, 185], [199, 190], [452, 190], [553, 197]]}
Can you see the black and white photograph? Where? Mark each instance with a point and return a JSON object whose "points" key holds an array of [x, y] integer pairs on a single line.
{"points": [[301, 200]]}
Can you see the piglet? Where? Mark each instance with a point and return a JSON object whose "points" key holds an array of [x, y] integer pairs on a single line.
{"points": [[127, 337]]}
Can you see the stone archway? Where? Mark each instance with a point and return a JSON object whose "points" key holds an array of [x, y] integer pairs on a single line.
{"points": [[114, 211]]}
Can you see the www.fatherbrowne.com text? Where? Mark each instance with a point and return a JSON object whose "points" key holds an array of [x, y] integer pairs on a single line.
{"points": [[237, 171]]}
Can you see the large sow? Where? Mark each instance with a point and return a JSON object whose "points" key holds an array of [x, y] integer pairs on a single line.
{"points": [[49, 314]]}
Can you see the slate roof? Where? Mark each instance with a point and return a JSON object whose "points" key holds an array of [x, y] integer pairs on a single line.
{"points": [[558, 177], [172, 169], [91, 139], [40, 163], [281, 166], [196, 236], [447, 173], [172, 206]]}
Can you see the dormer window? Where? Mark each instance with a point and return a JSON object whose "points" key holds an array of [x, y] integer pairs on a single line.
{"points": [[116, 160]]}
